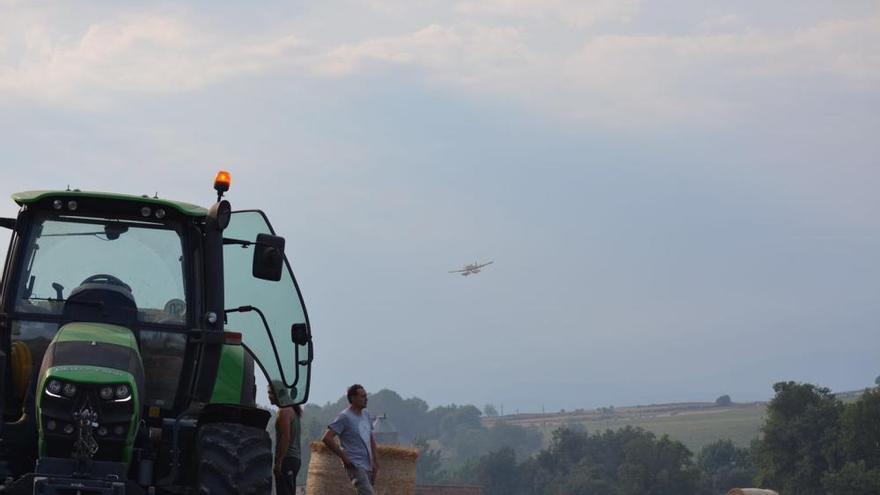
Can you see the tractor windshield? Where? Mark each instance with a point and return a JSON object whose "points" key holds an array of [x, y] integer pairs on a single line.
{"points": [[141, 260]]}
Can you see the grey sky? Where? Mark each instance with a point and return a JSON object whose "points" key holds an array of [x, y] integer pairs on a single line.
{"points": [[680, 198]]}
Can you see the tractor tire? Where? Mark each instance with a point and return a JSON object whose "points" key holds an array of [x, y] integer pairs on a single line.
{"points": [[232, 459]]}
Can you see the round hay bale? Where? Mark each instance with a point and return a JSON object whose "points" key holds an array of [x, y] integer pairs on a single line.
{"points": [[326, 476], [397, 472]]}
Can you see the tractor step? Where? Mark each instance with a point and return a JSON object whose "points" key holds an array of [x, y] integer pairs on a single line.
{"points": [[55, 476], [79, 486]]}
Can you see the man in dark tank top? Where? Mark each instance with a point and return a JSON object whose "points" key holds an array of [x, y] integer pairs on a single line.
{"points": [[288, 456]]}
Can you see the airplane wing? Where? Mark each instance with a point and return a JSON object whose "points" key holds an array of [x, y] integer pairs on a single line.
{"points": [[485, 264], [458, 271]]}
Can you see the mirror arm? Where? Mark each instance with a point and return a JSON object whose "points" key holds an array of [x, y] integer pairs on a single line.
{"points": [[227, 241], [7, 223], [242, 243]]}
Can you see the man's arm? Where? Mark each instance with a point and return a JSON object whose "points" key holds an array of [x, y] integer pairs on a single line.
{"points": [[283, 441], [329, 440], [375, 449]]}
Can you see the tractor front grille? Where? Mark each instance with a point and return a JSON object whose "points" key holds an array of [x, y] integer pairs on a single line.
{"points": [[60, 428]]}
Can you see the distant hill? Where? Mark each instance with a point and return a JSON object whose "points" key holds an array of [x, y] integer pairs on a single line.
{"points": [[695, 424]]}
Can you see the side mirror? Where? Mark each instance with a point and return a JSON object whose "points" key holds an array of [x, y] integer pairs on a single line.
{"points": [[268, 257], [299, 333]]}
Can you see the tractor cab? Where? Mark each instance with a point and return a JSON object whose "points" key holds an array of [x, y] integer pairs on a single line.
{"points": [[131, 329]]}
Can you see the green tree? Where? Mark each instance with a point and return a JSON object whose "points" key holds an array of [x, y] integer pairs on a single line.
{"points": [[622, 462], [724, 466], [546, 471], [657, 467], [857, 450], [802, 424], [524, 441], [466, 443], [497, 473], [724, 400], [860, 429], [407, 415], [445, 422], [855, 478], [429, 464], [490, 411], [587, 479]]}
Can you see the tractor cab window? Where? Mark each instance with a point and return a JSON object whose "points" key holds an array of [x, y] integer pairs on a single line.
{"points": [[137, 267], [285, 363]]}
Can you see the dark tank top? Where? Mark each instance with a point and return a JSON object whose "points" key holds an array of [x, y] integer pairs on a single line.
{"points": [[293, 449]]}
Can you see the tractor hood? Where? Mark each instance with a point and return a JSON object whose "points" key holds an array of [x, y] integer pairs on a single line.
{"points": [[94, 352]]}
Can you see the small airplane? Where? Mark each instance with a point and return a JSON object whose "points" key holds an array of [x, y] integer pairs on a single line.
{"points": [[472, 268]]}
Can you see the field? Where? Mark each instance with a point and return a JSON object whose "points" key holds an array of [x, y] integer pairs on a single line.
{"points": [[694, 424]]}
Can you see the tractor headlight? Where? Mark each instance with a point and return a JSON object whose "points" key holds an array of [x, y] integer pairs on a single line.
{"points": [[54, 387], [106, 392], [122, 392], [69, 390]]}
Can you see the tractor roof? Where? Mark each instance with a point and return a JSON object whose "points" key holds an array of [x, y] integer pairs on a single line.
{"points": [[31, 197]]}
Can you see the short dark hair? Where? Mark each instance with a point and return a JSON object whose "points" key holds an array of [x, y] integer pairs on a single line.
{"points": [[352, 391]]}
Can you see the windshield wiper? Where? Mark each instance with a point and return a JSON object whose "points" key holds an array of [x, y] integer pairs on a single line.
{"points": [[72, 234], [111, 232], [94, 304]]}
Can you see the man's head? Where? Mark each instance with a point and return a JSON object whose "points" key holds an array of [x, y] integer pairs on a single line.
{"points": [[277, 384], [357, 396]]}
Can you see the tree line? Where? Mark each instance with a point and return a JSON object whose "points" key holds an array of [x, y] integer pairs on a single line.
{"points": [[811, 443]]}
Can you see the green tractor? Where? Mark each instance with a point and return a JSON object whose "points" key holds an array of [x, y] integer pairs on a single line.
{"points": [[131, 329]]}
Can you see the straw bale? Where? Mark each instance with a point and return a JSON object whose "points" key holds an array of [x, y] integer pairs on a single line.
{"points": [[397, 472], [751, 491]]}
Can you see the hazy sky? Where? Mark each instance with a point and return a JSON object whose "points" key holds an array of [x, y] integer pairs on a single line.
{"points": [[681, 198]]}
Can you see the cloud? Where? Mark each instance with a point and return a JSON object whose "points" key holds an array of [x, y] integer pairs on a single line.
{"points": [[463, 56], [849, 50], [721, 23], [689, 75], [491, 48], [632, 79], [151, 53], [577, 13]]}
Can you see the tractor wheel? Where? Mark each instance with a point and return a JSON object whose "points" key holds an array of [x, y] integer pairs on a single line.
{"points": [[233, 459]]}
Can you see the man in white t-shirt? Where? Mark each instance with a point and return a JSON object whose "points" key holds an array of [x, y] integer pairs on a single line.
{"points": [[354, 428]]}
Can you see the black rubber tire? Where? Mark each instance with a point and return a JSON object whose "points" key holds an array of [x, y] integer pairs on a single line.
{"points": [[233, 459]]}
